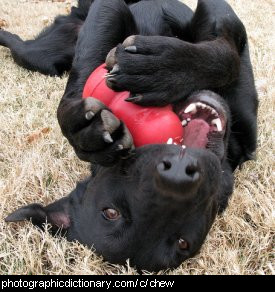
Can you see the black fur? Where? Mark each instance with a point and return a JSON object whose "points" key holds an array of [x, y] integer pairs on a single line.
{"points": [[162, 192]]}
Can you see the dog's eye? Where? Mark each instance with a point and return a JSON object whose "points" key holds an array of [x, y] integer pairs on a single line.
{"points": [[183, 244], [111, 214]]}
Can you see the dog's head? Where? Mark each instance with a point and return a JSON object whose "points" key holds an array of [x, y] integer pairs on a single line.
{"points": [[157, 206]]}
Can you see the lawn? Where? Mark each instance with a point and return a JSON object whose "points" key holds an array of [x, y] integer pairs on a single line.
{"points": [[38, 165]]}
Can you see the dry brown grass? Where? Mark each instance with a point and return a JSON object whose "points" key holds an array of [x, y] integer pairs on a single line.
{"points": [[37, 164]]}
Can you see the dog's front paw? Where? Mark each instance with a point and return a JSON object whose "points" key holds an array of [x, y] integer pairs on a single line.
{"points": [[148, 68], [96, 134]]}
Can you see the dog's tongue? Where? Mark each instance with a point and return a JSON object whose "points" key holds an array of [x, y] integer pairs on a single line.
{"points": [[195, 134]]}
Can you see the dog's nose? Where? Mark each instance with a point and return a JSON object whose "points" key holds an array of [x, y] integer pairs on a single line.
{"points": [[179, 175]]}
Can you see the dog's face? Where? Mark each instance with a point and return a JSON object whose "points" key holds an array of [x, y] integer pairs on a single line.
{"points": [[156, 207]]}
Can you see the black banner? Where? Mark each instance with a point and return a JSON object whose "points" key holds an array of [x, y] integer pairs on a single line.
{"points": [[106, 282]]}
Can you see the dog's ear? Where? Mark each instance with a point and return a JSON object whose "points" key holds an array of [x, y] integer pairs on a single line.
{"points": [[34, 212], [57, 214]]}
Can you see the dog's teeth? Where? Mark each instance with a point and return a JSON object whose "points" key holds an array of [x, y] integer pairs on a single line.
{"points": [[183, 147], [170, 141], [201, 105], [184, 123], [188, 120], [214, 112], [218, 124], [192, 108]]}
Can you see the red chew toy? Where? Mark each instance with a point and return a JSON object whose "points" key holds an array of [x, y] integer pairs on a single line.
{"points": [[148, 125]]}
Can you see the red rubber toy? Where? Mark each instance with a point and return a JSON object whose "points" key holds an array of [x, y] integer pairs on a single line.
{"points": [[148, 125]]}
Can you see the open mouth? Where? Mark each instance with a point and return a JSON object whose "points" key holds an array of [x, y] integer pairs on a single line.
{"points": [[202, 117]]}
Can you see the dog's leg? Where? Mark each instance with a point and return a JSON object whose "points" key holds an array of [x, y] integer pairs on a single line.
{"points": [[216, 19], [95, 133], [242, 98], [160, 70], [52, 51]]}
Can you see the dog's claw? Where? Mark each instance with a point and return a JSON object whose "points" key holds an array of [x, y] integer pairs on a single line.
{"points": [[110, 122], [127, 140], [92, 106], [109, 75], [107, 137], [120, 147], [129, 41], [111, 58], [111, 80], [89, 115], [131, 49], [115, 70], [135, 98]]}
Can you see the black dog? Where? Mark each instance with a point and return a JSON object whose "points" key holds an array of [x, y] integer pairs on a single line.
{"points": [[153, 205]]}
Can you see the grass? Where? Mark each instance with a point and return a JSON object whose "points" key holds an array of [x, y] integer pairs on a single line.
{"points": [[38, 165]]}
